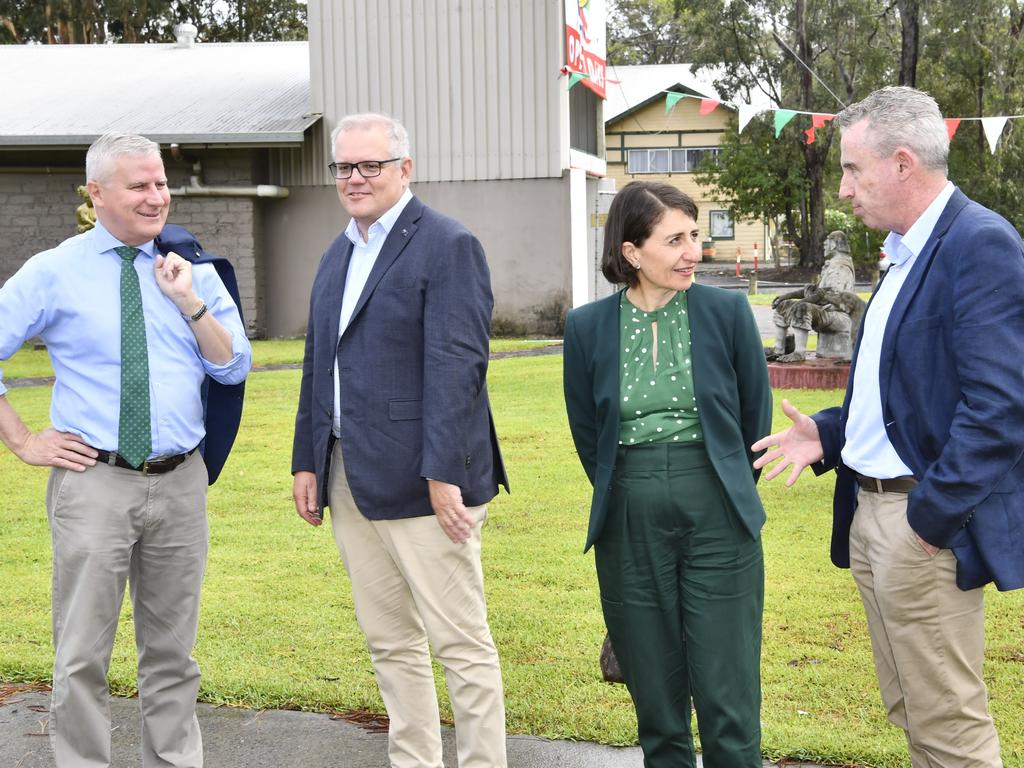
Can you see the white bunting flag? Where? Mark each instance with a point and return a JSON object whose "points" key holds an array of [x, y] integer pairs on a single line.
{"points": [[746, 114], [993, 130]]}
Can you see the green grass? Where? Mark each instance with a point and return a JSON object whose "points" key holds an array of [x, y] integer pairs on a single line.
{"points": [[277, 627], [765, 299], [29, 362]]}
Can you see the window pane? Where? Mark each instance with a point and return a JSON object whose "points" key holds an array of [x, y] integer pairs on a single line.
{"points": [[678, 160], [659, 161], [637, 161]]}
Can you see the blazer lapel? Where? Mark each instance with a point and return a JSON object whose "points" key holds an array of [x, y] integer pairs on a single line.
{"points": [[334, 288], [400, 236], [606, 354], [922, 265]]}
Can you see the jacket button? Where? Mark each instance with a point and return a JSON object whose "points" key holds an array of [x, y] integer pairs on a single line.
{"points": [[467, 462]]}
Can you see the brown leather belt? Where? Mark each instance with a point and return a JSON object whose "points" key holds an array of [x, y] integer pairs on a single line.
{"points": [[150, 467], [892, 485]]}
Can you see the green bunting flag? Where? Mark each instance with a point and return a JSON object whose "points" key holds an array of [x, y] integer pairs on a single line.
{"points": [[575, 77], [671, 99], [782, 116]]}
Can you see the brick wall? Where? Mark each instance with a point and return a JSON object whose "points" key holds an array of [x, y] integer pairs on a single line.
{"points": [[37, 211]]}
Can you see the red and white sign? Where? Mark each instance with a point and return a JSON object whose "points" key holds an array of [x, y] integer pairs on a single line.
{"points": [[585, 45]]}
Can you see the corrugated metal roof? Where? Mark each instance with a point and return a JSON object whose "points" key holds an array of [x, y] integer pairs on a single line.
{"points": [[214, 93]]}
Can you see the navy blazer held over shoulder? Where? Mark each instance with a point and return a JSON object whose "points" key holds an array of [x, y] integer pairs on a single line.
{"points": [[730, 380], [951, 379], [412, 363]]}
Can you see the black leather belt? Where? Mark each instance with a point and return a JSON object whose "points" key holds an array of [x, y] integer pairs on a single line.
{"points": [[150, 467], [892, 485]]}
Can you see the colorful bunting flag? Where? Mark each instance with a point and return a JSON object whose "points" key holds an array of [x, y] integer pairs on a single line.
{"points": [[707, 106], [746, 113], [993, 126], [818, 120], [782, 116], [575, 77], [993, 130]]}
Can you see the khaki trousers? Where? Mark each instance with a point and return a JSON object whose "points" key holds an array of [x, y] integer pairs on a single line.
{"points": [[110, 526], [411, 585], [928, 639]]}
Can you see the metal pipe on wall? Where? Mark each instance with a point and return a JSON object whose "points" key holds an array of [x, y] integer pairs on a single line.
{"points": [[195, 189]]}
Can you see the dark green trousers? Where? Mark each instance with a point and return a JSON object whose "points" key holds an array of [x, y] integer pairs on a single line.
{"points": [[682, 589]]}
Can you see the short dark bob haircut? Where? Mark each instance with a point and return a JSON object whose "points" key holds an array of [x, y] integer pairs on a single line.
{"points": [[634, 213]]}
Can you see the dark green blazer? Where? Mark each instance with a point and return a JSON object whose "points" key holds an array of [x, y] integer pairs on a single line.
{"points": [[730, 377]]}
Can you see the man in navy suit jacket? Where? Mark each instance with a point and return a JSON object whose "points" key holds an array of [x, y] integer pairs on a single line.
{"points": [[927, 445], [394, 433]]}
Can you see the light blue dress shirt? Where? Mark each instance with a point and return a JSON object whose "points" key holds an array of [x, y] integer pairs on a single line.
{"points": [[364, 256], [71, 297], [867, 448]]}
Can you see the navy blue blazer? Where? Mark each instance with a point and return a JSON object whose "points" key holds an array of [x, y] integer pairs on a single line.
{"points": [[951, 378], [730, 381], [222, 403], [413, 365]]}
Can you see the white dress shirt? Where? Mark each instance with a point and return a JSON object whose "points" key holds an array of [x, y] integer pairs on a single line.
{"points": [[867, 448], [364, 256]]}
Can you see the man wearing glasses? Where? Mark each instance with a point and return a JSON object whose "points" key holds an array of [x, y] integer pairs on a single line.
{"points": [[394, 434]]}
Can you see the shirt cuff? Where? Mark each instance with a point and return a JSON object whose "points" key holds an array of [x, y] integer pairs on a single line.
{"points": [[234, 370]]}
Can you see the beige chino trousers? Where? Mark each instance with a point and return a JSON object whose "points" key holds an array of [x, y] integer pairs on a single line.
{"points": [[110, 526], [414, 589], [928, 638]]}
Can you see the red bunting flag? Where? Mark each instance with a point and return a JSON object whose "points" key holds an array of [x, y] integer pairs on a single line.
{"points": [[952, 123], [707, 106], [818, 120]]}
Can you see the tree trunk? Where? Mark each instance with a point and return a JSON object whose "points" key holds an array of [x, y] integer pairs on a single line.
{"points": [[812, 226], [910, 14]]}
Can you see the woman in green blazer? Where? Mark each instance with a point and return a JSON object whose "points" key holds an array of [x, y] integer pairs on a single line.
{"points": [[666, 387]]}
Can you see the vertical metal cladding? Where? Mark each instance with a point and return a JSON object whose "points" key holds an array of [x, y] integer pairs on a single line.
{"points": [[474, 81]]}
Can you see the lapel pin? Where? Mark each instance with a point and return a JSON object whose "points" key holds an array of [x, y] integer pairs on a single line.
{"points": [[405, 233]]}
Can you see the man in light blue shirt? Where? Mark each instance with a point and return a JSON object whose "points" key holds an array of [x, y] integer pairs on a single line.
{"points": [[131, 335]]}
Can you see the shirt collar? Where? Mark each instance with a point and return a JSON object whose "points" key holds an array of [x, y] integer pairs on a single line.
{"points": [[383, 224], [104, 241], [902, 247]]}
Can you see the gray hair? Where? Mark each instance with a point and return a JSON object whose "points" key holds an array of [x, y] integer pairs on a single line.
{"points": [[99, 160], [899, 116], [398, 138]]}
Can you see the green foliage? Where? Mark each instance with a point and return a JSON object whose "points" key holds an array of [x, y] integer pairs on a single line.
{"points": [[865, 243], [128, 21], [649, 31], [277, 627], [971, 58], [756, 175]]}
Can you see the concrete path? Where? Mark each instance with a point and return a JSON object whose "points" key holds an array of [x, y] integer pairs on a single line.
{"points": [[244, 738]]}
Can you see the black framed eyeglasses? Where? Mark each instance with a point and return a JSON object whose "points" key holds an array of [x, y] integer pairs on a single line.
{"points": [[367, 168]]}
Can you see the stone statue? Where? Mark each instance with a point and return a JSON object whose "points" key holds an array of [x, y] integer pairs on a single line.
{"points": [[829, 307], [85, 214]]}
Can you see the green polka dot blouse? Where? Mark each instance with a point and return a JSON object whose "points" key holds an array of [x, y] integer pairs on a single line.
{"points": [[657, 403]]}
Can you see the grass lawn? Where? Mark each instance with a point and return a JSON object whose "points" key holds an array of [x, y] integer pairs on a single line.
{"points": [[277, 627], [35, 363]]}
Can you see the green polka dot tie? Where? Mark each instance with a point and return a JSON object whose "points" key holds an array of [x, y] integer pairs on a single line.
{"points": [[134, 439]]}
